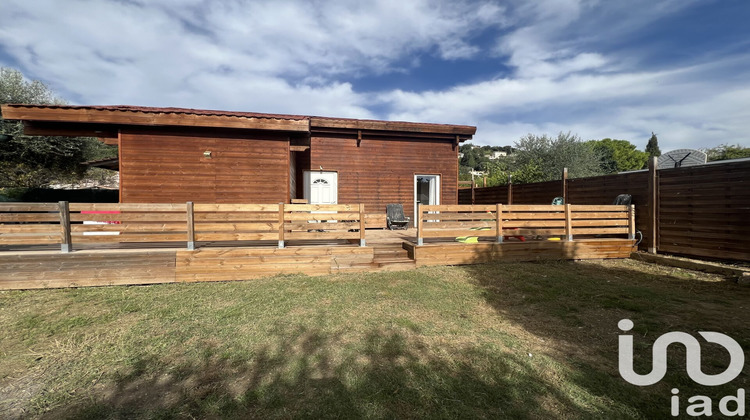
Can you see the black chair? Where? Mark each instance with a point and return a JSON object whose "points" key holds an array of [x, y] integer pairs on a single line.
{"points": [[394, 217], [623, 200]]}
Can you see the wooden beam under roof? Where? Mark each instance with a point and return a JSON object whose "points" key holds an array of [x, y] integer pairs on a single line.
{"points": [[107, 135], [464, 130], [383, 134], [144, 118]]}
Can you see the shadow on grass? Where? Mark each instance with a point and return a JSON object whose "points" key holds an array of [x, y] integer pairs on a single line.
{"points": [[574, 308], [305, 374]]}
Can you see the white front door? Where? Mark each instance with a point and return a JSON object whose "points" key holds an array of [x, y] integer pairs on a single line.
{"points": [[426, 191], [321, 187]]}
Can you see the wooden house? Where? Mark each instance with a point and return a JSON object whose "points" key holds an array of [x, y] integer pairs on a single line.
{"points": [[178, 155]]}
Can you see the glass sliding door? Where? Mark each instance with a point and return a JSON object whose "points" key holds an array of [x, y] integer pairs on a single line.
{"points": [[426, 192]]}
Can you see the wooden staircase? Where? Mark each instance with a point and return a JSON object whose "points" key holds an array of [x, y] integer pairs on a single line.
{"points": [[387, 257], [392, 257]]}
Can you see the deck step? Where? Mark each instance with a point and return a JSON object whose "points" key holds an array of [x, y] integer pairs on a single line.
{"points": [[391, 253], [392, 260], [357, 268], [396, 265]]}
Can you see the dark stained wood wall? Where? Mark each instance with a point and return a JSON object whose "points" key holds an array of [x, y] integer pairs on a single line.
{"points": [[702, 210], [705, 210], [169, 167], [594, 191], [381, 171]]}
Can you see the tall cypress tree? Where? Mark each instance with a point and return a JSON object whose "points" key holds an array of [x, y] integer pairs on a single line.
{"points": [[652, 148]]}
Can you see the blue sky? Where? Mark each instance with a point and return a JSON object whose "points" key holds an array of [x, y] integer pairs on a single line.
{"points": [[595, 68]]}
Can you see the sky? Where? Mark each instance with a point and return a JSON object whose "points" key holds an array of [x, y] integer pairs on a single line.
{"points": [[617, 69]]}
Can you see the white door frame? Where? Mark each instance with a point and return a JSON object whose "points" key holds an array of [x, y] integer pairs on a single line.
{"points": [[308, 177], [434, 197]]}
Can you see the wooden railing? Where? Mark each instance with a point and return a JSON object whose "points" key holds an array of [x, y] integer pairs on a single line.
{"points": [[497, 221], [66, 223], [37, 223], [125, 223], [323, 221]]}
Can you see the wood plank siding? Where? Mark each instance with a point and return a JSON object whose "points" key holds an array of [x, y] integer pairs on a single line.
{"points": [[381, 170], [170, 167], [161, 155]]}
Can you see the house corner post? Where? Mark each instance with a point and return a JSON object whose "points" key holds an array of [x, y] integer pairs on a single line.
{"points": [[190, 226], [66, 243], [281, 225]]}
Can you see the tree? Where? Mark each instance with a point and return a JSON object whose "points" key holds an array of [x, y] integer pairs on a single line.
{"points": [[652, 147], [619, 155], [726, 151], [542, 158], [33, 161]]}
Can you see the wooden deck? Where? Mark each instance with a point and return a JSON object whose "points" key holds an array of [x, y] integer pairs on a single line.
{"points": [[386, 250], [51, 245]]}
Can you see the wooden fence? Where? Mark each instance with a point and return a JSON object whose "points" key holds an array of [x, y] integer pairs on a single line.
{"points": [[697, 211], [67, 224], [462, 222]]}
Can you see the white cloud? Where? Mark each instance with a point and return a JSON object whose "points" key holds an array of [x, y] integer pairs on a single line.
{"points": [[554, 71], [272, 56], [684, 105]]}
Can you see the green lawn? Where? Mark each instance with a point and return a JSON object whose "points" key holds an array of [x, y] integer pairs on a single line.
{"points": [[502, 340]]}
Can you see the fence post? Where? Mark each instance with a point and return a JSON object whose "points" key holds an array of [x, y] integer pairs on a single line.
{"points": [[510, 189], [66, 244], [361, 224], [419, 225], [568, 224], [653, 204], [565, 185], [631, 222], [281, 225], [190, 226], [499, 223]]}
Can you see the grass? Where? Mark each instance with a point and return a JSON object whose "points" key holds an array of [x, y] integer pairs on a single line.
{"points": [[526, 340]]}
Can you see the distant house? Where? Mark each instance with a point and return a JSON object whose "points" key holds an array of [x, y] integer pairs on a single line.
{"points": [[497, 154], [178, 155]]}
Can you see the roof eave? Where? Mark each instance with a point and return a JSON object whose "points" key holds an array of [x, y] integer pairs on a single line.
{"points": [[354, 124], [123, 117]]}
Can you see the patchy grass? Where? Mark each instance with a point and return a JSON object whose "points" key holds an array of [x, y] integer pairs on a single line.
{"points": [[527, 340]]}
